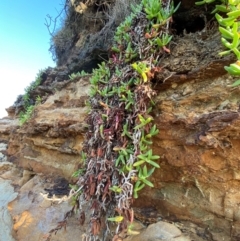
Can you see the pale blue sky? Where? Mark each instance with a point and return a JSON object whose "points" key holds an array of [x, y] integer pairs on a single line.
{"points": [[24, 44]]}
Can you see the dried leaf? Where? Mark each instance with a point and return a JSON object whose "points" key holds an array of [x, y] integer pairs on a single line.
{"points": [[148, 36], [92, 188], [95, 227], [82, 218]]}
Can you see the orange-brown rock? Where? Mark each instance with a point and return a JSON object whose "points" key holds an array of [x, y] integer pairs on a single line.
{"points": [[199, 144], [51, 141], [197, 113]]}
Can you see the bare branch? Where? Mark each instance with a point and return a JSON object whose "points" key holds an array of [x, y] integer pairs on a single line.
{"points": [[53, 21]]}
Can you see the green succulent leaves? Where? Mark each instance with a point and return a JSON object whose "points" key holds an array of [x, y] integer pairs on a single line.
{"points": [[77, 75], [154, 10], [27, 105], [147, 157], [233, 69], [229, 27], [204, 1], [141, 69], [164, 40], [120, 160], [143, 121]]}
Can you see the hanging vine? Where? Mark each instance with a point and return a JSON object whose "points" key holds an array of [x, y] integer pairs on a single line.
{"points": [[117, 147]]}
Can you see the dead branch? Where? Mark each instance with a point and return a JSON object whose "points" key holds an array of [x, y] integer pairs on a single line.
{"points": [[49, 21]]}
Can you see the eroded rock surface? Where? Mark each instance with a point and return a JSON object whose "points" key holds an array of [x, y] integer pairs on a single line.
{"points": [[34, 215], [199, 121], [6, 224], [158, 231], [197, 113], [32, 208], [51, 142]]}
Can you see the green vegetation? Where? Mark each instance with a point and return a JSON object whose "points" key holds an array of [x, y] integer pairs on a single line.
{"points": [[227, 15], [81, 170], [29, 104], [25, 116], [118, 156], [77, 75]]}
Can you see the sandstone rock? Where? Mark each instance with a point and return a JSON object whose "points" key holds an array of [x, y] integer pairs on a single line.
{"points": [[27, 175], [7, 126], [3, 146], [197, 113], [3, 158], [182, 238], [35, 216], [55, 134], [11, 173], [199, 147], [5, 166], [7, 195], [135, 228], [157, 232]]}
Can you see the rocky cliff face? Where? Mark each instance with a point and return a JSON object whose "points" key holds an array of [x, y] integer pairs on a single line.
{"points": [[197, 113], [198, 118], [55, 132]]}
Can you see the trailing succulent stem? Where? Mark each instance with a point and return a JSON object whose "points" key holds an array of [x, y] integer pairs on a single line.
{"points": [[117, 150], [228, 17]]}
